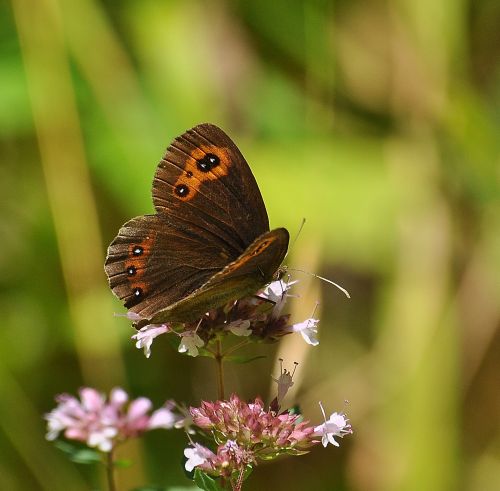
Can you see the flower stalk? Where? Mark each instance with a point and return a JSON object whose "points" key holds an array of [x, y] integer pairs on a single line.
{"points": [[242, 434], [110, 470], [219, 359]]}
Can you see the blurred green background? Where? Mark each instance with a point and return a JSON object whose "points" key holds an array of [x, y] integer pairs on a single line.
{"points": [[377, 121]]}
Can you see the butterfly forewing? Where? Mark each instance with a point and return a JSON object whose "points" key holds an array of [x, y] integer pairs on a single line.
{"points": [[204, 178]]}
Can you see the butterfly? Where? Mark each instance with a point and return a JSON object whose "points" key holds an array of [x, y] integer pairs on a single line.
{"points": [[207, 244]]}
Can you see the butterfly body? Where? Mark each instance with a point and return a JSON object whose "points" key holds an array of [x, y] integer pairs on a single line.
{"points": [[209, 241]]}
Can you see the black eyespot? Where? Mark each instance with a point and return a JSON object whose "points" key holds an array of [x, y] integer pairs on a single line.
{"points": [[208, 162], [137, 250], [189, 173], [137, 292], [131, 270], [181, 190]]}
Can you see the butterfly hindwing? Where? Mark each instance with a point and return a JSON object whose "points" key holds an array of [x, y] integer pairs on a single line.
{"points": [[153, 263], [242, 277]]}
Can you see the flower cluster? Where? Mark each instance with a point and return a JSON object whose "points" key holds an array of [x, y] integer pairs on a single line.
{"points": [[241, 434], [259, 317], [104, 423], [250, 424], [247, 433], [230, 459]]}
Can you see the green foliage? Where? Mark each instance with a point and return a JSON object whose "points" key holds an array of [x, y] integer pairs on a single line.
{"points": [[204, 481], [165, 488], [242, 359], [123, 463], [78, 453], [377, 121]]}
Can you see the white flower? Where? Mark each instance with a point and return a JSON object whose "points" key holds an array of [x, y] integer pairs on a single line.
{"points": [[196, 456], [190, 342], [144, 338], [240, 327], [133, 316], [308, 329], [276, 292], [102, 439], [336, 425], [56, 422], [185, 420], [284, 381]]}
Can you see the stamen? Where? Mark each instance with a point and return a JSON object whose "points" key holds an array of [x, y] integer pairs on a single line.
{"points": [[314, 310], [201, 320], [322, 410]]}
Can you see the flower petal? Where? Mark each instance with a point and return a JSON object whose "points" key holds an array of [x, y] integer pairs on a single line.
{"points": [[162, 418], [144, 338], [118, 397], [138, 408]]}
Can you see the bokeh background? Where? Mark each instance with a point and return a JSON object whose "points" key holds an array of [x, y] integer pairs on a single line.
{"points": [[377, 121]]}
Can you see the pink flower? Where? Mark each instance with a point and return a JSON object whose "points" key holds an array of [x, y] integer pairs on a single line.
{"points": [[248, 433], [252, 427], [162, 418], [137, 420], [102, 424]]}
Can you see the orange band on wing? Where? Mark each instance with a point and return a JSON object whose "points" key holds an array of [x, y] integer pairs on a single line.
{"points": [[258, 249], [138, 255], [206, 163]]}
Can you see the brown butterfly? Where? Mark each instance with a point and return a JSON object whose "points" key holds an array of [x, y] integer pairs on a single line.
{"points": [[209, 241]]}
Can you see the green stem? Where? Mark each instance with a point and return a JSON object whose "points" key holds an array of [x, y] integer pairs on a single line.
{"points": [[239, 483], [236, 347], [220, 370], [110, 471]]}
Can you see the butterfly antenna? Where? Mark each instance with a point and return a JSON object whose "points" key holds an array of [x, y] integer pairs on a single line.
{"points": [[343, 290], [296, 236]]}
